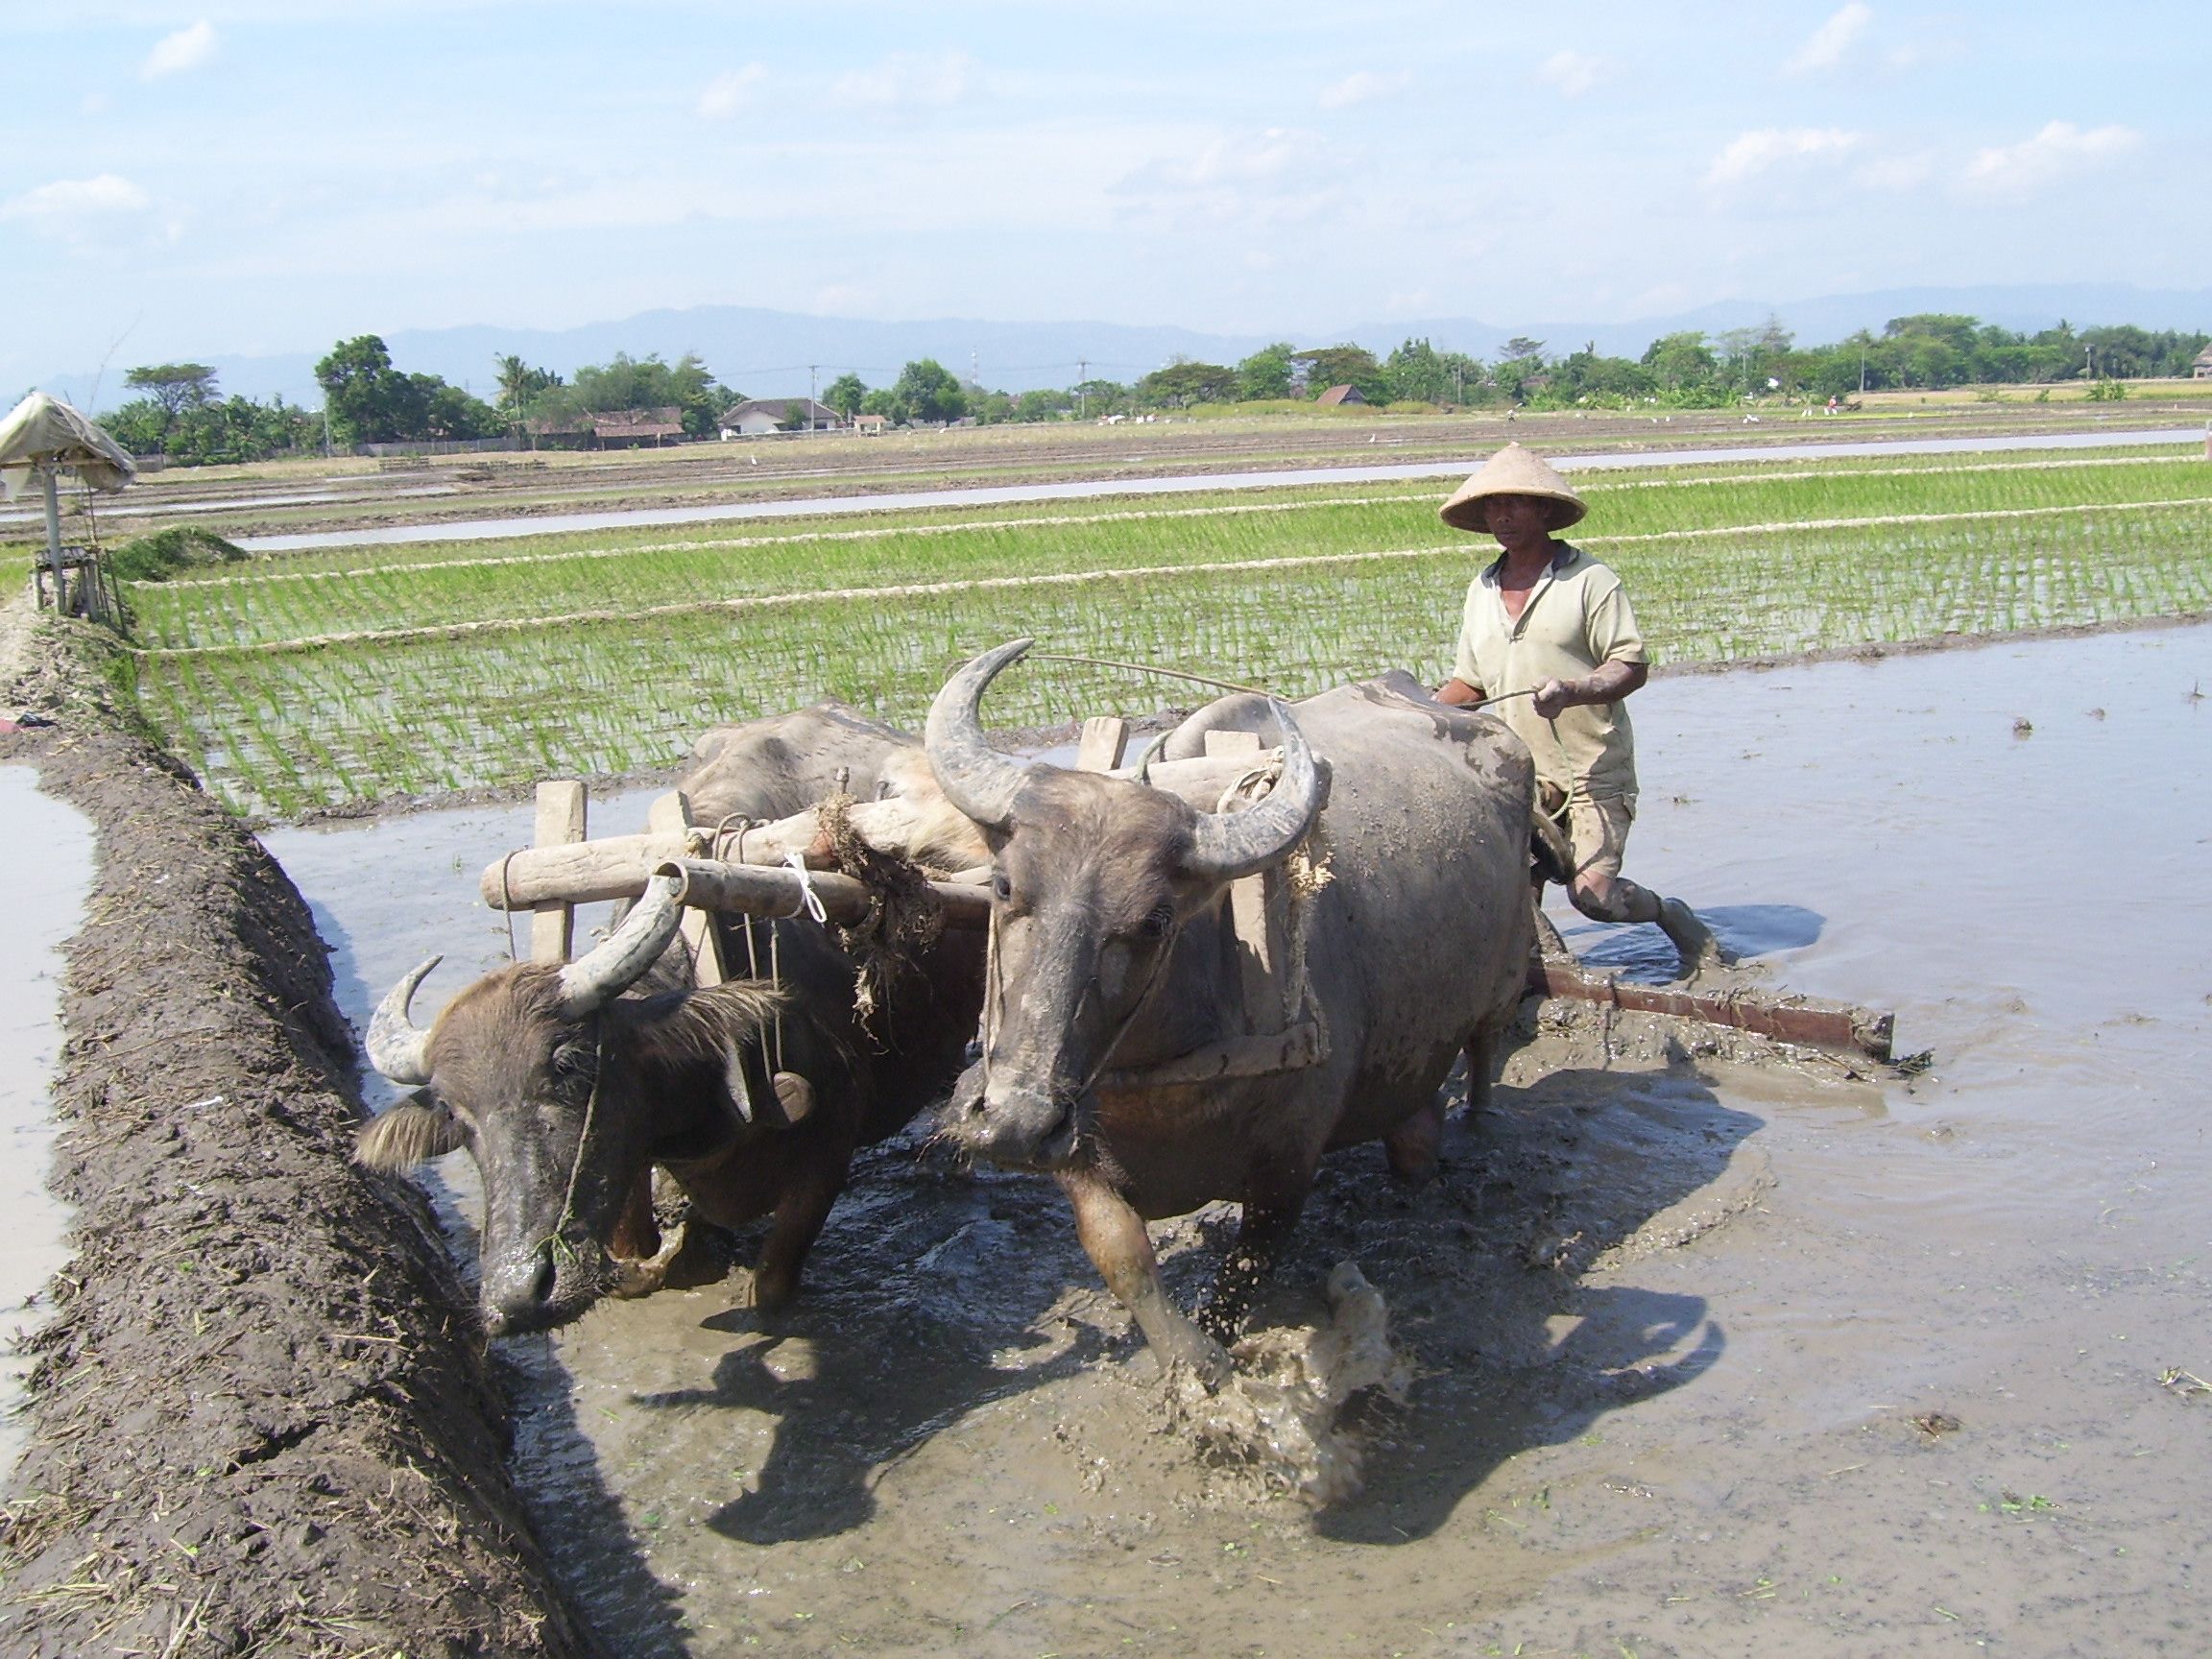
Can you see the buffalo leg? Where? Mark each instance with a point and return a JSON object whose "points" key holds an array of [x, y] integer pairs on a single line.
{"points": [[1114, 1238], [635, 1235], [1412, 1145], [798, 1224], [1272, 1200]]}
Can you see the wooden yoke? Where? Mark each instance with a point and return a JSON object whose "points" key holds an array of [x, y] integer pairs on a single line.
{"points": [[561, 810], [1256, 916]]}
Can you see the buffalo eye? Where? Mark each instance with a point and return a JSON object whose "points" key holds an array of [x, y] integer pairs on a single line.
{"points": [[1157, 921], [1002, 889]]}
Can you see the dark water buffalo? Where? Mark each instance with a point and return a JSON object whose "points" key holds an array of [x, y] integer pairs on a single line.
{"points": [[570, 1083], [1112, 960]]}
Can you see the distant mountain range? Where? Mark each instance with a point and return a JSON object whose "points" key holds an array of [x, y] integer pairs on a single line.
{"points": [[768, 353]]}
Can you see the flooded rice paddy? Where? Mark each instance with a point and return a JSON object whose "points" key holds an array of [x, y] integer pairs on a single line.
{"points": [[49, 873], [1707, 1359]]}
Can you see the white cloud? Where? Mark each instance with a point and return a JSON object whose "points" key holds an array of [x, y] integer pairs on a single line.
{"points": [[1223, 161], [2062, 151], [174, 54], [68, 201], [1360, 86], [1574, 73], [1829, 45], [1752, 154], [907, 80], [730, 91]]}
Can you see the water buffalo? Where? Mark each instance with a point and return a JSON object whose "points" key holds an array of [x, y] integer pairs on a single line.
{"points": [[570, 1083], [1110, 962]]}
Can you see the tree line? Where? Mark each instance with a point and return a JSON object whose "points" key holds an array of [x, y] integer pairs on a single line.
{"points": [[368, 399]]}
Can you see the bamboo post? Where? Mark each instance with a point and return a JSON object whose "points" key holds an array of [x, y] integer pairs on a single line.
{"points": [[560, 813], [670, 814], [1100, 748], [1255, 914]]}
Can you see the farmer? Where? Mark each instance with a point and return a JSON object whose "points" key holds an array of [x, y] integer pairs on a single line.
{"points": [[1549, 637]]}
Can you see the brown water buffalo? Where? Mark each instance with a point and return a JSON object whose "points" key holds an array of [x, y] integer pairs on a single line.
{"points": [[1113, 970], [570, 1083]]}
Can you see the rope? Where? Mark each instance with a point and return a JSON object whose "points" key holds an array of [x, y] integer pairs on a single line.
{"points": [[507, 904], [1146, 668], [558, 1240]]}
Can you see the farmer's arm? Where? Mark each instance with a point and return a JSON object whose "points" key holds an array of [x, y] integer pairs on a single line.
{"points": [[1614, 642], [1458, 693], [1607, 683]]}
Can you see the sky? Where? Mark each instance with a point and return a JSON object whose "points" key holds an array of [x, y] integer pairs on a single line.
{"points": [[263, 176]]}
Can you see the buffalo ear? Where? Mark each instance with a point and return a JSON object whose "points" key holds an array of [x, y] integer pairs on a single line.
{"points": [[409, 1132]]}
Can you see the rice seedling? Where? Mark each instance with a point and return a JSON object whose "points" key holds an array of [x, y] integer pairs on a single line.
{"points": [[280, 726]]}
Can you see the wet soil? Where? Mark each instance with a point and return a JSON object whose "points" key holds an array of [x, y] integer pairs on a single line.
{"points": [[257, 1422], [1711, 1355]]}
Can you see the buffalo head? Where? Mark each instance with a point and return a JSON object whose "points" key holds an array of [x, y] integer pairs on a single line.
{"points": [[564, 1091], [1094, 878]]}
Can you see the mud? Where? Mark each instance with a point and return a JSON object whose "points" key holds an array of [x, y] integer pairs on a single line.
{"points": [[257, 1422], [1677, 1319]]}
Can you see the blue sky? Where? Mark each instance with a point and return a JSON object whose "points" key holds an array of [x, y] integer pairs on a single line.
{"points": [[247, 176]]}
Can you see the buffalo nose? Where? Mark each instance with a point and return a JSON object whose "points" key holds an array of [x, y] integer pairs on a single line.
{"points": [[517, 1296]]}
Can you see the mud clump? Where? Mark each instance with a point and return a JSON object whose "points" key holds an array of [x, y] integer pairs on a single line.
{"points": [[1279, 1414], [260, 1420]]}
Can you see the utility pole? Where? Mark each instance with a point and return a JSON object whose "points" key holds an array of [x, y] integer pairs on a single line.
{"points": [[811, 371], [1861, 361], [1082, 379]]}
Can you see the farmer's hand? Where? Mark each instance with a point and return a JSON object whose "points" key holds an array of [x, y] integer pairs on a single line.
{"points": [[1555, 695]]}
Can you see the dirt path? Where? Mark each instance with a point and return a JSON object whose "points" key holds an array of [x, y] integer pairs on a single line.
{"points": [[257, 1424]]}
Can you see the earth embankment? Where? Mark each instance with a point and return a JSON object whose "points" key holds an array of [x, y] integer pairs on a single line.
{"points": [[260, 1420]]}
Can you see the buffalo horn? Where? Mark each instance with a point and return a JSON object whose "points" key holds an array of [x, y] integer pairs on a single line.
{"points": [[399, 1048], [1228, 845], [976, 778], [587, 983]]}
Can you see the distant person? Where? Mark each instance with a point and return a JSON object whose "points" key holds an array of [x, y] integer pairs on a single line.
{"points": [[1549, 637]]}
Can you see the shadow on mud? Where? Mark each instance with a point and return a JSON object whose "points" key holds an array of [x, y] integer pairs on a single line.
{"points": [[854, 1401], [1496, 1276]]}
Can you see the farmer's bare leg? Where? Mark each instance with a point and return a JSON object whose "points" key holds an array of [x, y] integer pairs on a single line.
{"points": [[1601, 893], [1114, 1238]]}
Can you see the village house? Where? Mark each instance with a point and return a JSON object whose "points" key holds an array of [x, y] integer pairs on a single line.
{"points": [[615, 429], [2201, 368], [870, 425], [1339, 397], [757, 416]]}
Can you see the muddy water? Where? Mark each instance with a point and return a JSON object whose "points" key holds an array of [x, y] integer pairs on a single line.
{"points": [[49, 853], [1709, 1358], [547, 524]]}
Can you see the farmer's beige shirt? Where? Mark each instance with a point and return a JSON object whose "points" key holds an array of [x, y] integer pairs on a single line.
{"points": [[1578, 617]]}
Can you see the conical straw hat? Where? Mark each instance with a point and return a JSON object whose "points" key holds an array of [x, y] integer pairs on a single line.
{"points": [[1512, 471]]}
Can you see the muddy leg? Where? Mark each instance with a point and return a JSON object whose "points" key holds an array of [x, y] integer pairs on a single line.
{"points": [[1272, 1201], [635, 1236], [1114, 1238], [1481, 1063], [798, 1224], [1412, 1145]]}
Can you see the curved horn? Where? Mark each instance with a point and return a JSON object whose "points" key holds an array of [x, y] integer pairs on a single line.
{"points": [[1227, 845], [611, 967], [395, 1046], [976, 778]]}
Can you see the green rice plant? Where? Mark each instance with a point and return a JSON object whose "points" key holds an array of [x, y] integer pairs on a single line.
{"points": [[278, 732]]}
